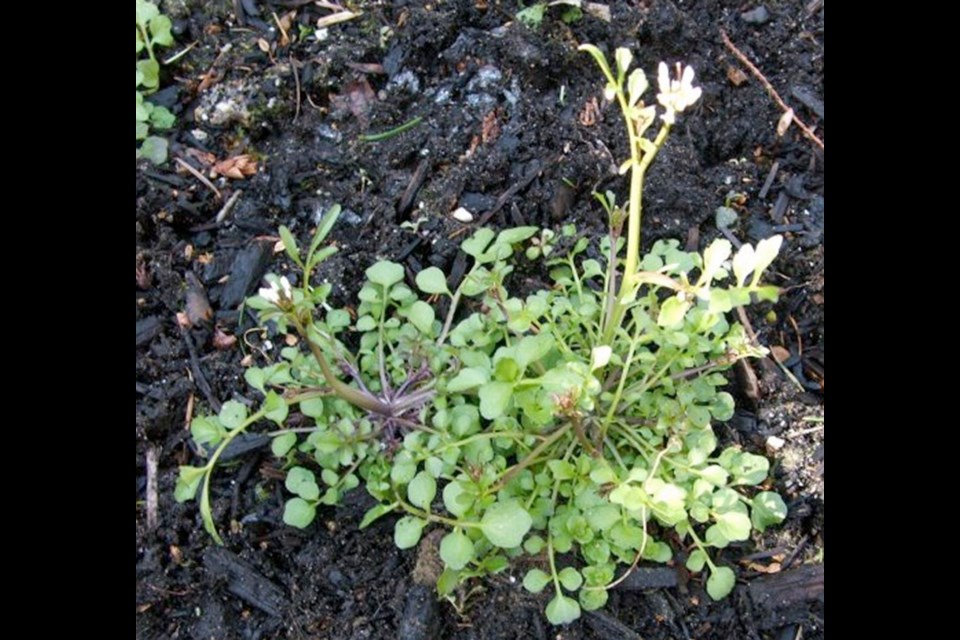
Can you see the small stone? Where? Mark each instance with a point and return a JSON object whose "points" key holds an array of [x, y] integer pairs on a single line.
{"points": [[462, 215], [726, 217], [774, 444], [758, 15]]}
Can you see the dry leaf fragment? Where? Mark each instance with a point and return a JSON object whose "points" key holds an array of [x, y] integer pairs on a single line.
{"points": [[237, 167], [335, 18], [779, 353], [491, 127], [222, 340], [735, 75], [785, 120], [590, 113]]}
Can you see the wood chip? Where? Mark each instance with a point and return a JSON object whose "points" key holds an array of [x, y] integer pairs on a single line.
{"points": [[781, 354], [237, 167], [735, 75]]}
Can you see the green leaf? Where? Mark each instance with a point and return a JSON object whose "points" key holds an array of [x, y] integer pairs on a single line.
{"points": [[447, 582], [150, 70], [468, 378], [494, 398], [721, 582], [734, 525], [290, 245], [696, 560], [456, 550], [421, 315], [562, 470], [312, 407], [562, 610], [603, 517], [505, 523], [275, 408], [431, 280], [743, 263], [146, 11], [476, 244], [456, 499], [715, 538], [206, 430], [282, 444], [422, 490], [536, 580], [366, 323], [188, 482], [672, 312], [140, 46], [715, 475], [533, 545], [630, 496], [161, 118], [532, 16], [766, 251], [154, 149], [752, 469], [232, 414], [375, 513], [592, 599], [299, 513], [570, 578], [303, 483], [767, 508], [407, 531], [160, 27], [385, 273], [515, 235]]}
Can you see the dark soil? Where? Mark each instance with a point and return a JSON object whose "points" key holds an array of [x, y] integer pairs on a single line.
{"points": [[497, 139]]}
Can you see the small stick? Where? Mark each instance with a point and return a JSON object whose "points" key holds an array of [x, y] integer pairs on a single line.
{"points": [[807, 131], [769, 181], [296, 80], [152, 494], [228, 206], [796, 330], [804, 432], [199, 176]]}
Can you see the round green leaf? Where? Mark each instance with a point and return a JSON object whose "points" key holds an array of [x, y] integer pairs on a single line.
{"points": [[721, 582], [672, 312], [536, 580], [562, 610], [456, 499], [282, 444], [312, 407], [593, 599], [276, 409], [431, 280], [421, 315], [232, 414], [505, 523], [468, 378], [188, 483], [407, 531], [767, 508], [696, 560], [299, 513], [385, 273], [206, 430], [422, 490], [570, 578], [456, 550], [303, 483]]}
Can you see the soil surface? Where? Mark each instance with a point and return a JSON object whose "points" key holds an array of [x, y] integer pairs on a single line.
{"points": [[511, 126]]}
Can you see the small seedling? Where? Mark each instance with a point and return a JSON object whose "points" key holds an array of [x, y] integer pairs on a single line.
{"points": [[153, 30]]}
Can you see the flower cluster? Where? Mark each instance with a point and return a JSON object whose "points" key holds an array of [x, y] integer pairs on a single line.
{"points": [[676, 95], [278, 291]]}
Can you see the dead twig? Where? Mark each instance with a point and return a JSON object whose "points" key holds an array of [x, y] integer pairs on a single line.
{"points": [[228, 206], [152, 494], [199, 176], [807, 131], [296, 81]]}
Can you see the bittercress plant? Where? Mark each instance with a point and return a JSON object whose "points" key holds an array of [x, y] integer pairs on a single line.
{"points": [[576, 421]]}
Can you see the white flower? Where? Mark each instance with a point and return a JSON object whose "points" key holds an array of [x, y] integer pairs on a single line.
{"points": [[275, 293], [676, 95]]}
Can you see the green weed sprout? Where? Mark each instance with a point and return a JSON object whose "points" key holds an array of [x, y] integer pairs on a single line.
{"points": [[572, 426], [153, 30]]}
